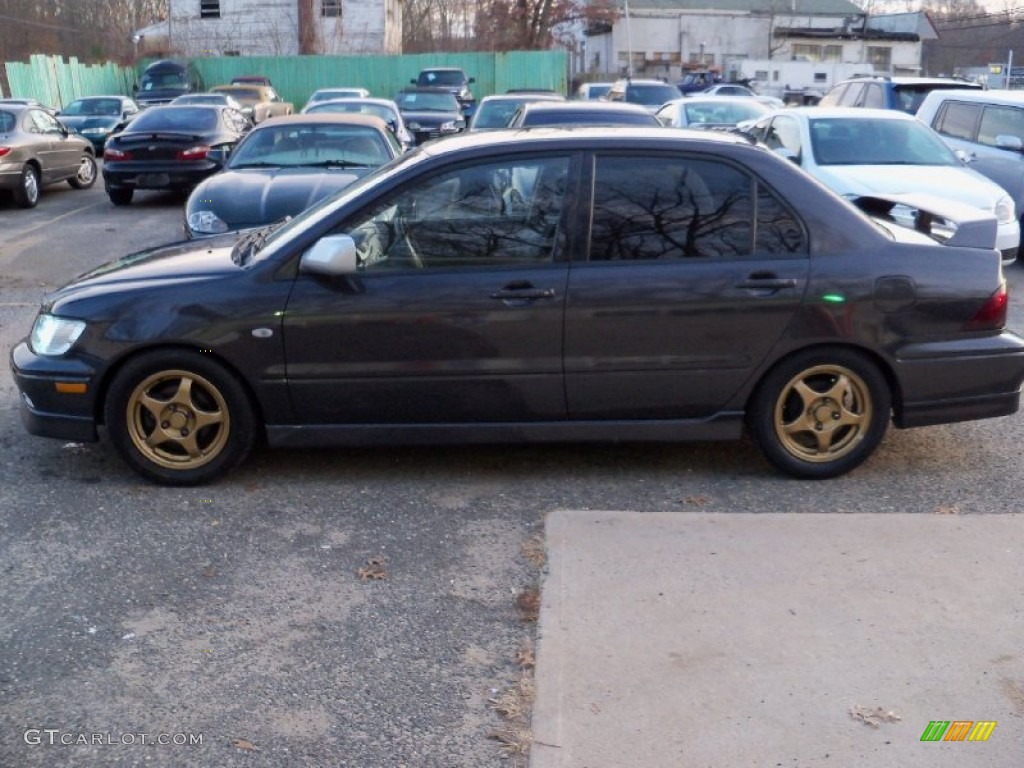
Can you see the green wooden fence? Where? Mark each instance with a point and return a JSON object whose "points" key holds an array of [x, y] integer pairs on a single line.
{"points": [[53, 81]]}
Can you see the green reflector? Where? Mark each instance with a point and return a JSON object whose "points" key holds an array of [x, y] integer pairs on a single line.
{"points": [[834, 298]]}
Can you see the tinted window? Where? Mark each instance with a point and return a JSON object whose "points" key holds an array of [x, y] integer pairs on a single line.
{"points": [[597, 117], [958, 120], [7, 122], [651, 95], [176, 119], [485, 215], [1000, 121], [441, 78], [650, 208]]}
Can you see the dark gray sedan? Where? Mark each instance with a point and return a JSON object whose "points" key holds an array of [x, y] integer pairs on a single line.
{"points": [[557, 284], [36, 150]]}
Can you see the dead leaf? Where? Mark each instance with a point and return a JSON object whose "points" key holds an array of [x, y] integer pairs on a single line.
{"points": [[528, 603], [374, 569], [245, 744], [873, 717], [698, 501], [947, 509]]}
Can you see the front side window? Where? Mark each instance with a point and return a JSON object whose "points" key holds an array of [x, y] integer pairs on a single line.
{"points": [[1000, 121], [656, 208], [958, 120], [494, 214]]}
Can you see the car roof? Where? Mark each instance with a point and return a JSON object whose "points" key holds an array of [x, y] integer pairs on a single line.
{"points": [[562, 105], [586, 135], [331, 118], [528, 96], [910, 80], [851, 113], [711, 98], [992, 96], [359, 100], [427, 89]]}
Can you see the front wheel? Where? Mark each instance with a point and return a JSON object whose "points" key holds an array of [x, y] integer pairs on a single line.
{"points": [[179, 418], [86, 175], [820, 413]]}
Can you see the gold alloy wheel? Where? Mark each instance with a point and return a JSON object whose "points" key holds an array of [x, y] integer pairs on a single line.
{"points": [[823, 413], [178, 419]]}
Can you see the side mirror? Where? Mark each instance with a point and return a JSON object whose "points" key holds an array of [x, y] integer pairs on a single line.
{"points": [[1008, 141], [788, 154], [333, 255], [219, 155]]}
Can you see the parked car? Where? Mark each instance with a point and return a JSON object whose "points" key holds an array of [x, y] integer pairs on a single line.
{"points": [[252, 80], [861, 152], [538, 113], [735, 89], [453, 79], [711, 112], [986, 128], [330, 94], [36, 150], [259, 102], [386, 109], [496, 111], [223, 99], [650, 285], [591, 91], [97, 117], [648, 93], [698, 80], [430, 113], [166, 79], [170, 147], [884, 92], [14, 101], [286, 165]]}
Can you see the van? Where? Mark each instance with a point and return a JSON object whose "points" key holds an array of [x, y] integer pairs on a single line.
{"points": [[987, 129], [165, 80]]}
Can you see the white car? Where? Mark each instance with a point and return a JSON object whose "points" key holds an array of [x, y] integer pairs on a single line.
{"points": [[700, 111], [865, 152], [329, 94], [734, 89]]}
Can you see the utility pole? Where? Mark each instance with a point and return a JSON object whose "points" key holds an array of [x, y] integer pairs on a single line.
{"points": [[629, 44]]}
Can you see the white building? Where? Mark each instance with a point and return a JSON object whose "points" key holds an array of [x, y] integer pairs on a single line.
{"points": [[663, 38], [275, 28]]}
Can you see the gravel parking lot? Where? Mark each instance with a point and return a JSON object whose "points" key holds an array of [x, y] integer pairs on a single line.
{"points": [[250, 613]]}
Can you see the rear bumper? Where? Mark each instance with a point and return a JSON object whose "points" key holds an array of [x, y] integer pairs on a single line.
{"points": [[944, 382], [156, 176]]}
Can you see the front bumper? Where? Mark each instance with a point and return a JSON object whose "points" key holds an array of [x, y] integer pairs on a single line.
{"points": [[47, 412], [947, 381]]}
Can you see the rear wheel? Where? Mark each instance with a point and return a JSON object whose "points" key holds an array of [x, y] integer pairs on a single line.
{"points": [[120, 196], [86, 175], [26, 194], [179, 418], [820, 413]]}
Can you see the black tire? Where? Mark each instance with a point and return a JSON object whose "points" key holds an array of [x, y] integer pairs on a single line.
{"points": [[121, 195], [86, 175], [179, 418], [26, 194], [820, 413]]}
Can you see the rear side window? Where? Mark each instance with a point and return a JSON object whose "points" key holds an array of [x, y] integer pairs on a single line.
{"points": [[654, 208], [874, 97], [957, 120], [851, 95], [1000, 121]]}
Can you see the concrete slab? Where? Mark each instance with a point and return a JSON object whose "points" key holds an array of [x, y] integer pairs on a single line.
{"points": [[728, 640]]}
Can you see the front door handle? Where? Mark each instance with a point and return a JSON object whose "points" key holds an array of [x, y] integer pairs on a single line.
{"points": [[767, 283], [518, 294]]}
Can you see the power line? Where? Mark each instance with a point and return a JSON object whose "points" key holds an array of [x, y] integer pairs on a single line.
{"points": [[16, 20]]}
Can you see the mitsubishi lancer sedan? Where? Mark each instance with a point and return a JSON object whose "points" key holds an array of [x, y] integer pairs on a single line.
{"points": [[579, 284]]}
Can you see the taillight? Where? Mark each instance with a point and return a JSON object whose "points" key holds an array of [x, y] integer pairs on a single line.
{"points": [[4, 151], [109, 153], [992, 315], [193, 153]]}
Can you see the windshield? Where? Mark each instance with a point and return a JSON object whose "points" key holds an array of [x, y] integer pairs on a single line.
{"points": [[382, 111], [107, 107], [848, 141], [336, 93], [433, 77], [651, 95], [723, 112], [427, 102], [187, 119], [496, 114], [155, 80], [293, 145]]}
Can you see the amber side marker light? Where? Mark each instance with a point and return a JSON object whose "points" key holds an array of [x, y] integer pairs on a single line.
{"points": [[71, 387]]}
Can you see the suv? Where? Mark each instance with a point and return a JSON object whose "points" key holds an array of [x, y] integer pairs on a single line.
{"points": [[884, 92], [987, 128], [647, 93], [452, 78]]}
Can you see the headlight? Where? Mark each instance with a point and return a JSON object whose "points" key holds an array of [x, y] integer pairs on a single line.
{"points": [[206, 223], [1005, 210], [449, 127], [94, 131], [53, 336]]}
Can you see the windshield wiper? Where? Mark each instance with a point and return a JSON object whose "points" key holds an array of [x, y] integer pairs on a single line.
{"points": [[255, 164], [336, 164]]}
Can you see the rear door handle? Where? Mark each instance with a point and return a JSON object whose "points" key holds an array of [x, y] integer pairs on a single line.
{"points": [[767, 283], [516, 294]]}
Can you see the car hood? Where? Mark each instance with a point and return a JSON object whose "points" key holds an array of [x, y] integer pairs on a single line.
{"points": [[183, 262], [961, 184], [250, 197]]}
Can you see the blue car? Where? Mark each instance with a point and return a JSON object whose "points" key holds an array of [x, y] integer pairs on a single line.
{"points": [[96, 118]]}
